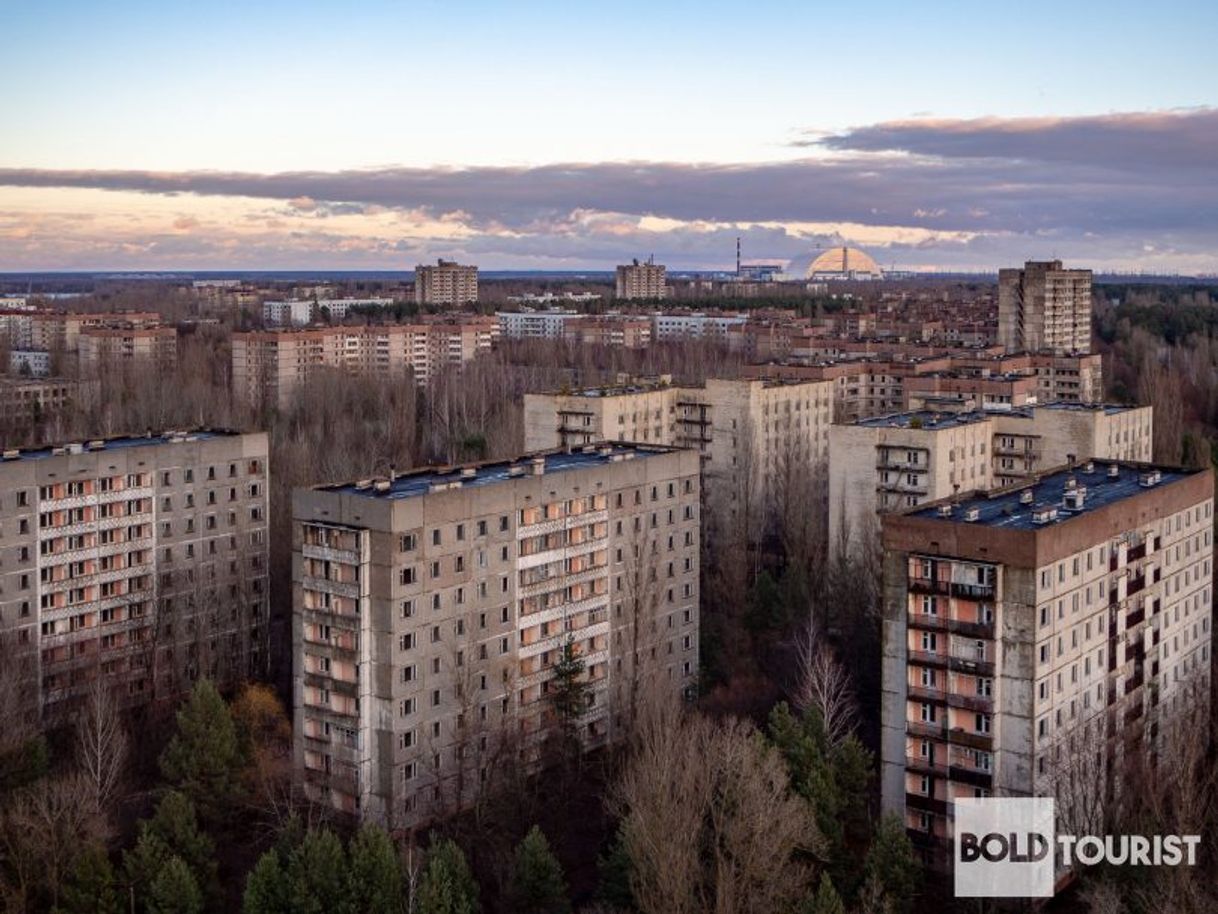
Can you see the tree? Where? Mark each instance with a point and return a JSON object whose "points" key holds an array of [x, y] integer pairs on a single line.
{"points": [[91, 888], [447, 885], [824, 684], [266, 888], [615, 875], [173, 831], [569, 692], [536, 884], [376, 873], [892, 865], [204, 759], [174, 890], [101, 746], [317, 875], [709, 820], [825, 901]]}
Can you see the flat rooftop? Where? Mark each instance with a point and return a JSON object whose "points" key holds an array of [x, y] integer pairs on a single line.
{"points": [[1011, 509], [423, 481], [118, 443], [1108, 409], [928, 419]]}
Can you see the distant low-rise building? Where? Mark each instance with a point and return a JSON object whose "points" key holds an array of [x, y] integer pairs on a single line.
{"points": [[289, 313], [32, 363], [537, 325]]}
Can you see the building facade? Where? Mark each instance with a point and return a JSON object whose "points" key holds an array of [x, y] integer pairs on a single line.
{"points": [[429, 610], [897, 462], [113, 348], [1044, 307], [640, 281], [1034, 638], [270, 366], [446, 283], [141, 562]]}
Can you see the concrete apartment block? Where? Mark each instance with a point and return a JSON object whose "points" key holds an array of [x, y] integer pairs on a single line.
{"points": [[640, 281], [1032, 637], [445, 283], [429, 610], [1044, 307], [141, 561], [744, 429], [907, 459]]}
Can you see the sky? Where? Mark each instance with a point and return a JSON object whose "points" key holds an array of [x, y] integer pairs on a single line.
{"points": [[547, 135]]}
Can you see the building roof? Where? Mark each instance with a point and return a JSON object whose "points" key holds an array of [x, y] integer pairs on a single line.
{"points": [[1105, 483], [433, 479], [930, 420], [116, 443]]}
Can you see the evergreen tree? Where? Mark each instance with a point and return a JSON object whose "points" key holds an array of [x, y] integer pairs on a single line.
{"points": [[764, 610], [892, 864], [174, 890], [24, 764], [825, 901], [173, 831], [266, 888], [205, 759], [536, 884], [447, 885], [568, 689], [91, 888], [376, 873], [615, 868], [317, 876]]}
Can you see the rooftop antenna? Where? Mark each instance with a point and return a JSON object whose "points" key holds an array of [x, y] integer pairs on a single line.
{"points": [[737, 256]]}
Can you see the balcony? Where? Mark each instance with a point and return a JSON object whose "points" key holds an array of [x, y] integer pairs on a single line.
{"points": [[935, 622], [952, 588], [925, 804], [960, 737], [974, 776], [958, 664]]}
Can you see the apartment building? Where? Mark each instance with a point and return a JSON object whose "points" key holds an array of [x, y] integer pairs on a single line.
{"points": [[23, 401], [748, 432], [287, 313], [541, 325], [1044, 307], [1033, 637], [696, 325], [446, 283], [270, 366], [429, 610], [60, 330], [893, 463], [114, 348], [640, 281], [138, 560], [32, 363], [618, 331]]}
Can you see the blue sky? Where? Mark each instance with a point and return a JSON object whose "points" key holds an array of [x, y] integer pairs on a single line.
{"points": [[326, 88]]}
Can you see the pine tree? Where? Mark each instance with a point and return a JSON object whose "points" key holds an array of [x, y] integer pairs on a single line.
{"points": [[376, 873], [174, 890], [447, 885], [173, 831], [266, 888], [615, 868], [825, 901], [317, 875], [569, 692], [536, 884], [892, 864], [91, 887], [205, 759]]}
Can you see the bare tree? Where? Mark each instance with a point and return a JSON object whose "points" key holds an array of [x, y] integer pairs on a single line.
{"points": [[709, 821], [824, 683], [101, 747]]}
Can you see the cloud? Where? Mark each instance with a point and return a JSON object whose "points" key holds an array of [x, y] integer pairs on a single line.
{"points": [[1118, 187], [1156, 142]]}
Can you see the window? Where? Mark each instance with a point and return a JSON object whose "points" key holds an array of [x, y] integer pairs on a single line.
{"points": [[406, 543]]}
